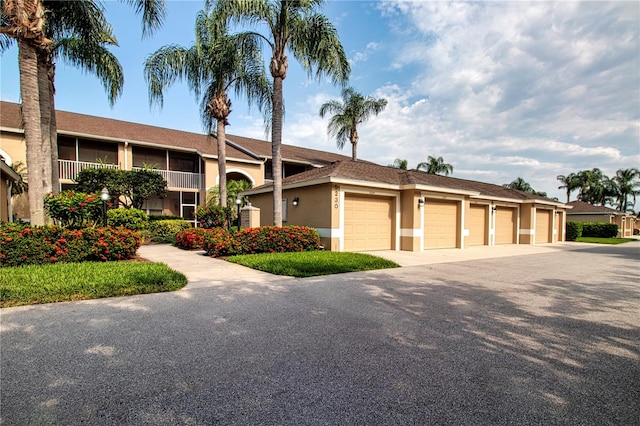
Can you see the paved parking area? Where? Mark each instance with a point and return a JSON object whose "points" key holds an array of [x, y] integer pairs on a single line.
{"points": [[547, 338]]}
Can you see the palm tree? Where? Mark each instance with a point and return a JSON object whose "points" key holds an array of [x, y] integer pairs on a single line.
{"points": [[400, 164], [19, 186], [521, 185], [436, 166], [595, 187], [311, 38], [626, 183], [569, 182], [37, 26], [215, 64], [353, 110]]}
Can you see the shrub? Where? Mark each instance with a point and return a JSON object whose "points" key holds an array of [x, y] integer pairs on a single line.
{"points": [[599, 229], [219, 242], [27, 245], [164, 231], [191, 239], [214, 216], [266, 239], [134, 219], [574, 230], [74, 210]]}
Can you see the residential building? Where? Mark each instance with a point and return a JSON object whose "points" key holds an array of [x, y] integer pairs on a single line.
{"points": [[586, 212]]}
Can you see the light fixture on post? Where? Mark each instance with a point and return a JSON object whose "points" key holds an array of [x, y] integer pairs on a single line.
{"points": [[295, 201], [238, 204], [494, 208], [104, 196], [420, 203]]}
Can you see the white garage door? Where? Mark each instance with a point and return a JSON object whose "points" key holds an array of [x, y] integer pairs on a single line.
{"points": [[506, 221], [368, 222], [441, 224], [478, 214], [543, 225]]}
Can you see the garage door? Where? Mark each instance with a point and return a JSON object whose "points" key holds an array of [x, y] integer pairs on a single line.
{"points": [[506, 221], [543, 225], [477, 225], [441, 224], [367, 222]]}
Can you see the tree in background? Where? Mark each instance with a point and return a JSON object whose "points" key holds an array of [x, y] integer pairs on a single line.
{"points": [[130, 188], [524, 186], [570, 183], [626, 183], [311, 38], [436, 166], [400, 164], [20, 186], [354, 109], [215, 64], [595, 187]]}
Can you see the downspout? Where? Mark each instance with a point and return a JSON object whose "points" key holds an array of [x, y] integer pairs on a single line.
{"points": [[126, 157]]}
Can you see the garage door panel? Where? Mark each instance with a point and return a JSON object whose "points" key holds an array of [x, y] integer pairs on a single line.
{"points": [[477, 225], [543, 225], [368, 222], [506, 220], [441, 224]]}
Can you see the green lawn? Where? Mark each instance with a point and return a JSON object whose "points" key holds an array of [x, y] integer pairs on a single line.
{"points": [[603, 240], [59, 282], [312, 263]]}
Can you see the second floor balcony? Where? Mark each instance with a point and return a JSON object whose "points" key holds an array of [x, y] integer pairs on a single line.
{"points": [[69, 169]]}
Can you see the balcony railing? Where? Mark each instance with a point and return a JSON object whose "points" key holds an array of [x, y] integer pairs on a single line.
{"points": [[184, 180], [69, 169]]}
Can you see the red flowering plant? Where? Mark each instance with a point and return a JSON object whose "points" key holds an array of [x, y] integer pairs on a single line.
{"points": [[74, 210], [219, 242], [26, 245], [214, 216], [271, 239], [191, 239]]}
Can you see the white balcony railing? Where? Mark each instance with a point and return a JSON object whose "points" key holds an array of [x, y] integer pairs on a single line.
{"points": [[184, 180], [69, 169]]}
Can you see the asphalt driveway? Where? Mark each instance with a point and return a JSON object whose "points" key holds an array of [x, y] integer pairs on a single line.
{"points": [[539, 339]]}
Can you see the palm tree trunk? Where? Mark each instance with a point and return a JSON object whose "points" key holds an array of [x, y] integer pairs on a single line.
{"points": [[44, 97], [28, 64], [53, 133], [276, 155], [222, 161], [354, 144]]}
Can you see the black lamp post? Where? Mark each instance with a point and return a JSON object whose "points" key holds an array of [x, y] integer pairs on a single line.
{"points": [[238, 203], [104, 196]]}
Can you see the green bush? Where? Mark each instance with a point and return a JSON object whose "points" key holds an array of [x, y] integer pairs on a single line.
{"points": [[191, 239], [37, 245], [599, 229], [266, 239], [574, 230], [164, 231], [214, 216], [134, 219], [75, 210]]}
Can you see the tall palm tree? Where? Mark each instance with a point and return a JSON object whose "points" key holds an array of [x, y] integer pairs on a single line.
{"points": [[436, 166], [354, 109], [570, 183], [400, 164], [295, 27], [626, 183], [521, 185], [37, 25], [595, 187], [215, 64]]}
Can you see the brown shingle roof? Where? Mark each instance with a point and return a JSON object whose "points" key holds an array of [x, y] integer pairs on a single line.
{"points": [[374, 173], [97, 127], [583, 207]]}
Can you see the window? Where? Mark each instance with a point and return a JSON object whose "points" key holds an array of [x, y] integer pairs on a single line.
{"points": [[66, 148], [181, 162], [284, 210], [96, 152], [149, 157]]}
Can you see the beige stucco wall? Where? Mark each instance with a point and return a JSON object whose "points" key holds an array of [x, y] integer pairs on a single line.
{"points": [[4, 199], [410, 226], [13, 144], [526, 231], [253, 170]]}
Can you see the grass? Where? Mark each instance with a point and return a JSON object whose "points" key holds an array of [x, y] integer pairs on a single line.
{"points": [[312, 263], [603, 240], [60, 282]]}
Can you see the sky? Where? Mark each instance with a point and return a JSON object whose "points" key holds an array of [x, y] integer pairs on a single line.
{"points": [[500, 90]]}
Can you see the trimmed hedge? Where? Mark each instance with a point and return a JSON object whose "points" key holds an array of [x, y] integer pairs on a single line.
{"points": [[599, 229], [164, 217], [164, 231], [37, 245], [574, 230], [266, 239], [134, 219], [191, 239]]}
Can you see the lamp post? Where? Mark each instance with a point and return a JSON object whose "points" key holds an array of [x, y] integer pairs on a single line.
{"points": [[238, 202], [104, 196]]}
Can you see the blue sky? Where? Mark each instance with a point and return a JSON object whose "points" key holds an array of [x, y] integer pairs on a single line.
{"points": [[499, 89]]}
